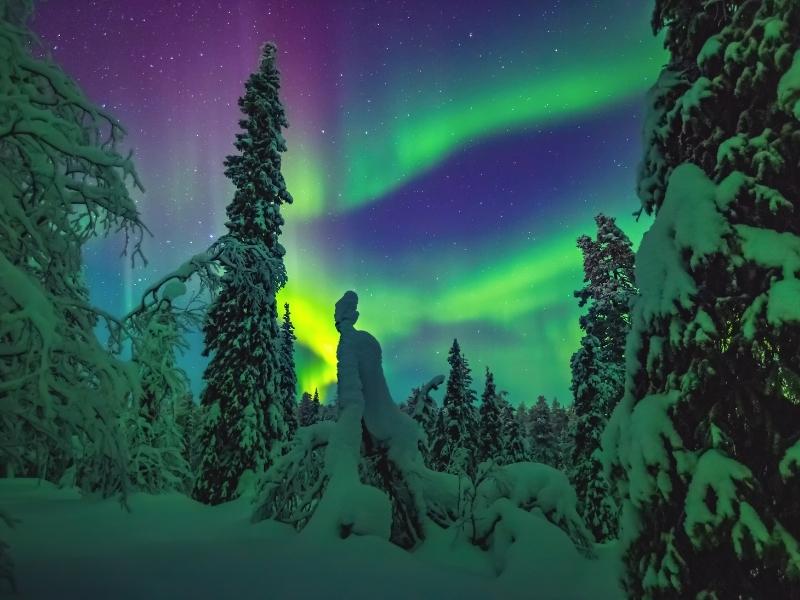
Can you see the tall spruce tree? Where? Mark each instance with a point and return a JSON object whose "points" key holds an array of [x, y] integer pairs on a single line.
{"points": [[244, 403], [288, 373], [454, 448], [562, 439], [705, 444], [189, 418], [514, 447], [540, 426], [328, 411], [598, 367], [489, 424], [309, 410]]}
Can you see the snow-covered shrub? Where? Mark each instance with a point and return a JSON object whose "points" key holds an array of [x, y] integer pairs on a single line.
{"points": [[532, 488]]}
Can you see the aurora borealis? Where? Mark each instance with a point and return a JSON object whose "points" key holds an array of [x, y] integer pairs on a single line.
{"points": [[443, 158]]}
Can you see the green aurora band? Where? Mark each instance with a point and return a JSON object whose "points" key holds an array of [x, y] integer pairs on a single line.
{"points": [[512, 308], [516, 291], [522, 291]]}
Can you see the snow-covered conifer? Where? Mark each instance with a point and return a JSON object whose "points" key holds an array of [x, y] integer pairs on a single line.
{"points": [[288, 373], [422, 408], [454, 447], [598, 367], [489, 423], [542, 439], [324, 411], [562, 438], [244, 409], [189, 417], [514, 445], [704, 444], [308, 412]]}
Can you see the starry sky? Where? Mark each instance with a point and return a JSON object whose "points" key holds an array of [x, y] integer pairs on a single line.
{"points": [[443, 157]]}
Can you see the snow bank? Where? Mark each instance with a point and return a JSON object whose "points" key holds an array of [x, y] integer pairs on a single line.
{"points": [[170, 546]]}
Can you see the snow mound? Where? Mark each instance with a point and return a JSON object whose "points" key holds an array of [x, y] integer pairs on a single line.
{"points": [[169, 546]]}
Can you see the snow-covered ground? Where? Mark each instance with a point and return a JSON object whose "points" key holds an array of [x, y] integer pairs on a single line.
{"points": [[169, 546]]}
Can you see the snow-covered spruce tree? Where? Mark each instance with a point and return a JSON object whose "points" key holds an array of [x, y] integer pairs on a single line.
{"points": [[244, 411], [512, 433], [189, 417], [489, 424], [422, 408], [308, 412], [598, 367], [562, 436], [454, 447], [62, 183], [705, 445], [595, 497], [328, 411], [540, 427], [522, 415], [288, 373]]}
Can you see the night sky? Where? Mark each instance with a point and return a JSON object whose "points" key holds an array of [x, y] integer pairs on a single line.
{"points": [[443, 157]]}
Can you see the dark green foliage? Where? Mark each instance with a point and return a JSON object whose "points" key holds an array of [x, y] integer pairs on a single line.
{"points": [[689, 23], [243, 398]]}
